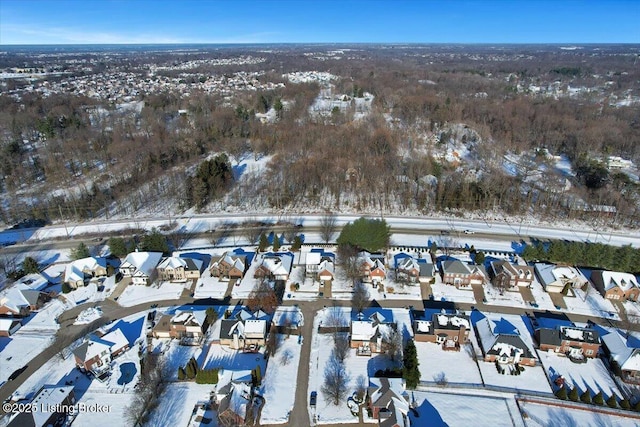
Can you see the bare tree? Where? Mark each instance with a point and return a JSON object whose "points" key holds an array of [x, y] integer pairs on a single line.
{"points": [[341, 346], [336, 380], [350, 263], [273, 343], [361, 387], [251, 230], [441, 379], [392, 344], [286, 357], [335, 320], [328, 226], [263, 297], [360, 298]]}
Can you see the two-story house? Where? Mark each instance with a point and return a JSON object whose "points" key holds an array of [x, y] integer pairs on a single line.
{"points": [[178, 269], [572, 341], [141, 267], [505, 275], [274, 266], [448, 330], [615, 285], [231, 265], [460, 275], [81, 271]]}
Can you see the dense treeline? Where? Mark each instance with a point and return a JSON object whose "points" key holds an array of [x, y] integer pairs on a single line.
{"points": [[597, 255], [84, 158]]}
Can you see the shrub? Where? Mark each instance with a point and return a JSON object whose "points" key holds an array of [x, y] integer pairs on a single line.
{"points": [[612, 402], [561, 393], [624, 404], [207, 376], [573, 395], [586, 397], [182, 375], [598, 399], [66, 288]]}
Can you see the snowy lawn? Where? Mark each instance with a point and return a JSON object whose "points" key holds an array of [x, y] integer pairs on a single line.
{"points": [[508, 298], [592, 375], [19, 349], [541, 296], [442, 292], [209, 286], [177, 355], [444, 409], [221, 356], [538, 415], [44, 320], [326, 412], [176, 404], [279, 383], [139, 294], [593, 304], [457, 366]]}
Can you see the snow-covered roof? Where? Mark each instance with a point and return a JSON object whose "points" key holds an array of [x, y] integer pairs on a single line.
{"points": [[277, 264], [92, 348], [362, 330], [423, 326], [172, 262], [6, 323], [312, 258], [448, 320], [35, 281], [255, 327], [627, 356], [49, 396], [326, 265], [624, 281], [117, 340], [15, 297], [144, 262]]}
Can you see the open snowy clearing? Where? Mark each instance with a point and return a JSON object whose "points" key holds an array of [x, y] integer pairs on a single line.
{"points": [[592, 375], [538, 415], [445, 409], [139, 294], [279, 383], [457, 366]]}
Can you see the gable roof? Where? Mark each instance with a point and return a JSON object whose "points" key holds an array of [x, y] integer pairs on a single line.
{"points": [[143, 262], [74, 271], [455, 267]]}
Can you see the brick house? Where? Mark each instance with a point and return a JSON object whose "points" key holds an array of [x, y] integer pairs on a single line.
{"points": [[20, 300], [96, 353], [460, 275], [615, 285], [503, 345], [231, 265], [388, 402], [177, 269], [183, 325], [449, 330], [367, 335], [623, 351], [569, 340], [245, 331], [506, 275], [274, 266]]}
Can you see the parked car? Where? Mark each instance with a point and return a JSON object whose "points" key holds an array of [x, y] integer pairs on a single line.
{"points": [[313, 398], [469, 232]]}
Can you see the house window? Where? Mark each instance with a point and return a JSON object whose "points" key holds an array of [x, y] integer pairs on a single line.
{"points": [[455, 338], [589, 352]]}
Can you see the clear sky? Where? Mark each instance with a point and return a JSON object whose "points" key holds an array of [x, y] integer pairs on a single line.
{"points": [[318, 21]]}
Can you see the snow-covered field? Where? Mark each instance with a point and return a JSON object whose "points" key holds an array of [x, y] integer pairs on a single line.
{"points": [[538, 415], [592, 375], [279, 383], [138, 294], [457, 366], [446, 409]]}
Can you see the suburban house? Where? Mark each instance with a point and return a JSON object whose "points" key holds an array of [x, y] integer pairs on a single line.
{"points": [[388, 402], [572, 341], [20, 300], [59, 397], [9, 326], [319, 264], [460, 275], [501, 342], [372, 269], [245, 331], [96, 353], [274, 266], [559, 279], [367, 335], [449, 330], [35, 281], [231, 265], [617, 286], [79, 272], [177, 269], [505, 275], [624, 353], [141, 267], [235, 406], [188, 326]]}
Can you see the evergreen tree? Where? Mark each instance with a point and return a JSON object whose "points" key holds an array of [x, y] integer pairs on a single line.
{"points": [[479, 258], [190, 372], [297, 244], [30, 266], [80, 251], [573, 394], [366, 234], [598, 399], [636, 407], [562, 393], [410, 370], [276, 242], [181, 373], [263, 244], [155, 242], [612, 402], [624, 404], [586, 397], [119, 247]]}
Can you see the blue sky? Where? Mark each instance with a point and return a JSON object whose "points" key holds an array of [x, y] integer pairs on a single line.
{"points": [[319, 21]]}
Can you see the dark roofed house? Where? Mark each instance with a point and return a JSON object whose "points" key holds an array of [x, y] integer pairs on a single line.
{"points": [[460, 275], [449, 330], [502, 344], [388, 402], [60, 398], [572, 341]]}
